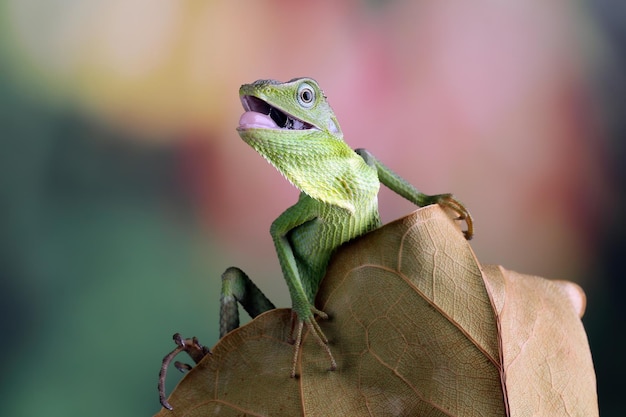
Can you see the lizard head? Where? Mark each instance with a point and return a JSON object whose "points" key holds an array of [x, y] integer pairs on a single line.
{"points": [[294, 128], [296, 105]]}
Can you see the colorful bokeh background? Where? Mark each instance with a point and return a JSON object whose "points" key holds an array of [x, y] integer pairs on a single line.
{"points": [[125, 190]]}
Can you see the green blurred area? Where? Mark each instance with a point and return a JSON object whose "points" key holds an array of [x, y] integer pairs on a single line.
{"points": [[102, 260]]}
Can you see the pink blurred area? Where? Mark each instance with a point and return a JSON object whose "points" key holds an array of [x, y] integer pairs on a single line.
{"points": [[489, 101]]}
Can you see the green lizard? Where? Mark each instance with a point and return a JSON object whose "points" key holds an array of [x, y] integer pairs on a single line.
{"points": [[294, 128]]}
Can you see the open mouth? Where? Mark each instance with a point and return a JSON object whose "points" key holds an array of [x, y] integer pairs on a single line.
{"points": [[260, 114]]}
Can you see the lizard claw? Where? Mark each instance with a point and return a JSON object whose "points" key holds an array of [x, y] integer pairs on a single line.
{"points": [[448, 201], [193, 348], [298, 324]]}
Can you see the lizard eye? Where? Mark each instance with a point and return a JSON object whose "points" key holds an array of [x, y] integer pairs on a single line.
{"points": [[306, 95]]}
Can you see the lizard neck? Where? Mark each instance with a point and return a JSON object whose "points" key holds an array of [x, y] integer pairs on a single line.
{"points": [[321, 166]]}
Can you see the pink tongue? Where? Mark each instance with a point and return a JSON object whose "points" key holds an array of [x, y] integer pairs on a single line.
{"points": [[252, 119]]}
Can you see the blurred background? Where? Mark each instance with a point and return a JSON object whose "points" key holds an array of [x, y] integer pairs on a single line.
{"points": [[125, 190]]}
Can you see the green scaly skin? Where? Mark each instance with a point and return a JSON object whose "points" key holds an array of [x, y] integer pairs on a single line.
{"points": [[293, 127]]}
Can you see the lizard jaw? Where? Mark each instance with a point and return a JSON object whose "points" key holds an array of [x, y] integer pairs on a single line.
{"points": [[261, 115]]}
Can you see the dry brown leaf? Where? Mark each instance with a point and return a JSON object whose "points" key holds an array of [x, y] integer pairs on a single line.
{"points": [[418, 327]]}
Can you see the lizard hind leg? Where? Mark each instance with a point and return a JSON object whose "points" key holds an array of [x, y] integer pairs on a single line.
{"points": [[237, 287], [193, 348]]}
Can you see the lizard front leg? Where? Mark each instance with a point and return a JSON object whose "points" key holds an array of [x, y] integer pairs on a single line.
{"points": [[301, 289], [402, 187]]}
